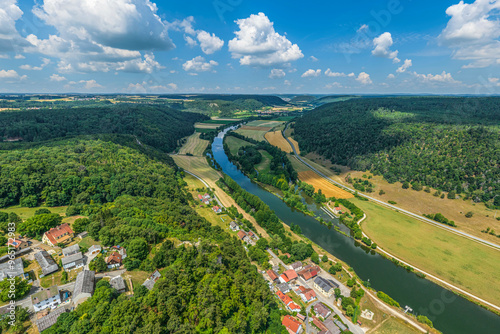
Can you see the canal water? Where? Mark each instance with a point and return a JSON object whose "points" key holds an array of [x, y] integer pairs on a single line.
{"points": [[450, 313]]}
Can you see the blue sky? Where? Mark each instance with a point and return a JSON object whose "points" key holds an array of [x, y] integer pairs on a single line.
{"points": [[257, 47]]}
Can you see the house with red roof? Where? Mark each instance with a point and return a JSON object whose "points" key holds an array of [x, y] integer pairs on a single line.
{"points": [[241, 235], [272, 275], [61, 234], [114, 260], [284, 279], [307, 295], [293, 307], [292, 325], [18, 244], [291, 274], [217, 209], [309, 272]]}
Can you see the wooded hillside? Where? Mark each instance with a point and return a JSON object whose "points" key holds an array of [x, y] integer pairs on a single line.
{"points": [[450, 144]]}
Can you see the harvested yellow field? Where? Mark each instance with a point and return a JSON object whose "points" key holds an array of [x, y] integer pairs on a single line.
{"points": [[276, 139], [197, 165], [318, 182], [194, 145]]}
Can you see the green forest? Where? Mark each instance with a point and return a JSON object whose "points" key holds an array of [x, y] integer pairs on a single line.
{"points": [[156, 126], [118, 175], [451, 144]]}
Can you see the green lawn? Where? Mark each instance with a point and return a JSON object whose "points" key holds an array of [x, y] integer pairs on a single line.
{"points": [[235, 144], [462, 262], [264, 166], [394, 326], [25, 213], [87, 242]]}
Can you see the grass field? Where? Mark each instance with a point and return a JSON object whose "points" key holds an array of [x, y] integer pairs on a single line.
{"points": [[257, 135], [25, 213], [394, 326], [235, 144], [470, 266], [264, 123], [265, 164], [194, 145], [197, 165], [208, 125], [319, 182], [276, 139]]}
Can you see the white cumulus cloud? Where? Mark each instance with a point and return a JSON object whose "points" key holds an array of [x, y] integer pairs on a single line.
{"points": [[209, 43], [473, 32], [364, 78], [311, 73], [199, 64], [45, 62], [437, 78], [406, 65], [382, 45], [11, 75], [57, 77], [10, 39], [258, 44], [277, 73]]}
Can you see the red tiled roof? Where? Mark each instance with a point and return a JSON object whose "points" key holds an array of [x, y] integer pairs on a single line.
{"points": [[319, 324], [14, 242], [309, 273], [114, 258], [287, 300], [272, 275], [280, 295], [309, 294], [294, 307], [291, 274], [57, 232], [285, 278], [290, 323], [241, 234]]}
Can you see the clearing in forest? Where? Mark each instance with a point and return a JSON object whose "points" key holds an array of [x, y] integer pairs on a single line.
{"points": [[327, 188], [276, 139], [194, 145]]}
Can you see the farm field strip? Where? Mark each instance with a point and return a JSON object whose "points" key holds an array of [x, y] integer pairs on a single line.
{"points": [[276, 139], [466, 264], [194, 145], [257, 135], [208, 125], [235, 143], [318, 182]]}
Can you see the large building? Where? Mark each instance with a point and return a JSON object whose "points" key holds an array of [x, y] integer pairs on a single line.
{"points": [[325, 286], [8, 270], [73, 261], [46, 298], [71, 250], [61, 234], [47, 321], [84, 287], [46, 262]]}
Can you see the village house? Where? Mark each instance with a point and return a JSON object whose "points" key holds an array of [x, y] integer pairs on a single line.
{"points": [[321, 310], [272, 275], [283, 287], [114, 260], [71, 250], [332, 327], [94, 249], [217, 209], [242, 235], [292, 325], [309, 272], [234, 226], [118, 284], [150, 282], [325, 286], [319, 324], [46, 298], [307, 295], [288, 275], [17, 244], [61, 234], [46, 262], [297, 266], [73, 261], [49, 320], [84, 286], [15, 270], [122, 251]]}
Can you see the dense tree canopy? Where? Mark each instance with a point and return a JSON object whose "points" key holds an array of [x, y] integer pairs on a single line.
{"points": [[450, 144]]}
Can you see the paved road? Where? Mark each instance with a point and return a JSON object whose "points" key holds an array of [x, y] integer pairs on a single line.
{"points": [[414, 215]]}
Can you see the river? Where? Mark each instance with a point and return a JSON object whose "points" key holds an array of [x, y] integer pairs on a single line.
{"points": [[450, 313]]}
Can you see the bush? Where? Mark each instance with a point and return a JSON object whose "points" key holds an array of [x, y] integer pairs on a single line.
{"points": [[423, 319], [388, 300], [469, 214], [406, 185], [392, 202]]}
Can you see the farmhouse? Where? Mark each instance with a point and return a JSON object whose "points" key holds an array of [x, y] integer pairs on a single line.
{"points": [[18, 244], [94, 249], [272, 275], [46, 262], [217, 209], [241, 235], [8, 271], [84, 286], [47, 321], [288, 275], [122, 251], [307, 295], [114, 260], [118, 284], [234, 226], [46, 298], [319, 324], [297, 266], [322, 311], [309, 272], [71, 250], [283, 287], [326, 287], [73, 261], [292, 324], [61, 234], [150, 282]]}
